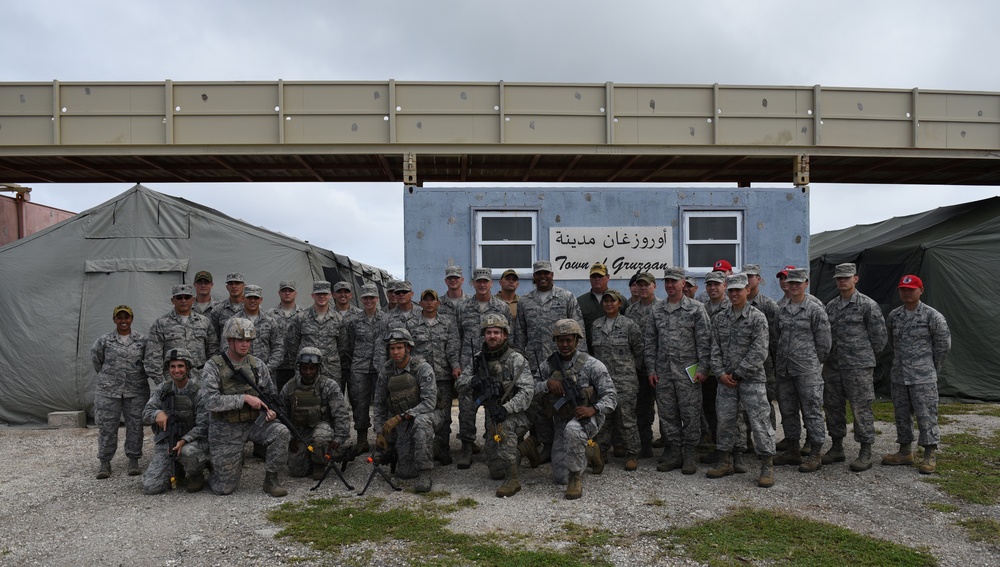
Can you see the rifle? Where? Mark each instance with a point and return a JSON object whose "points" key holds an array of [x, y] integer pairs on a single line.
{"points": [[489, 393], [171, 434], [378, 458], [331, 463], [572, 392]]}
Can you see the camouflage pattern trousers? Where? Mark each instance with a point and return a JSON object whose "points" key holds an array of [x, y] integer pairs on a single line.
{"points": [[466, 415], [442, 433], [156, 478], [226, 441], [920, 400], [569, 445], [805, 392], [108, 414], [360, 390], [414, 440], [856, 385], [679, 404], [620, 426], [730, 405], [501, 455], [299, 457]]}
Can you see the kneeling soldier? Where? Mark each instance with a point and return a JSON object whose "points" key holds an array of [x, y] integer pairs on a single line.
{"points": [[177, 412], [316, 407]]}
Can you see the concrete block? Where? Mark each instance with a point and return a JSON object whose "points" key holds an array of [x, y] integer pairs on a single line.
{"points": [[65, 419]]}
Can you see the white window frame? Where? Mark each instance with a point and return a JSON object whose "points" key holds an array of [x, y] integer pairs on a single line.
{"points": [[687, 215], [480, 214]]}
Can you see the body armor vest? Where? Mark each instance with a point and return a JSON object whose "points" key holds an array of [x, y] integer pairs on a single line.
{"points": [[565, 412], [230, 384], [184, 407], [308, 408], [404, 392]]}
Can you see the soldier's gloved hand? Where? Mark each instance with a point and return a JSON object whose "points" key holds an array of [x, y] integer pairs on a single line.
{"points": [[390, 424], [499, 415], [381, 443]]}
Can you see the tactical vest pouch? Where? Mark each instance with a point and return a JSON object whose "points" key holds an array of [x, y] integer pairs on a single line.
{"points": [[404, 393], [184, 409], [242, 415], [307, 408]]}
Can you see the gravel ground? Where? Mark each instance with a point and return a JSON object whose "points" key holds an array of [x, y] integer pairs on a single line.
{"points": [[54, 512]]}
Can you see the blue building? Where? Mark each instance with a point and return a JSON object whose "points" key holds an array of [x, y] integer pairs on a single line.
{"points": [[628, 229]]}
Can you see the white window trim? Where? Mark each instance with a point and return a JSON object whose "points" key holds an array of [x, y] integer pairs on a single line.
{"points": [[686, 215], [478, 242]]}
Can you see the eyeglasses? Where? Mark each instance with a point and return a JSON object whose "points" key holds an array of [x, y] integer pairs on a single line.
{"points": [[343, 291], [402, 291], [183, 297]]}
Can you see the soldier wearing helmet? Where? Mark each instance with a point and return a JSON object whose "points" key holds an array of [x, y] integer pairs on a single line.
{"points": [[316, 406], [182, 400], [235, 408], [500, 380], [405, 396], [578, 393], [181, 328]]}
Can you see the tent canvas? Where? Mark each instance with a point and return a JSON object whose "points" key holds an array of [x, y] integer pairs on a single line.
{"points": [[60, 285], [956, 252]]}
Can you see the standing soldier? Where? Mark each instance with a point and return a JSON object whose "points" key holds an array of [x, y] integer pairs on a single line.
{"points": [[342, 296], [678, 347], [315, 406], [502, 381], [739, 347], [508, 291], [367, 331], [715, 287], [228, 384], [225, 310], [453, 298], [802, 332], [283, 313], [180, 328], [203, 302], [920, 340], [435, 340], [590, 302], [180, 400], [404, 409], [769, 308], [617, 342], [645, 400], [269, 345], [690, 287], [405, 309], [578, 394], [320, 327], [122, 390], [859, 335]]}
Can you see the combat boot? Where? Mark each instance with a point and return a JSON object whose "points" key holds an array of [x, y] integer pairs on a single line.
{"points": [[133, 467], [930, 461], [806, 449], [814, 461], [272, 487], [619, 451], [789, 456], [670, 460], [725, 466], [529, 450], [442, 454], [864, 460], [766, 478], [711, 457], [574, 488], [836, 453], [739, 466], [361, 446], [424, 482], [196, 482], [689, 466], [658, 443], [784, 443], [464, 459], [631, 463], [594, 459], [105, 471], [903, 457], [511, 484]]}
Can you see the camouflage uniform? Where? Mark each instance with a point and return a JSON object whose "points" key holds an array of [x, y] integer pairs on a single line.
{"points": [[206, 309], [802, 337], [122, 389], [269, 346], [169, 332], [570, 435], [226, 438], [677, 336], [220, 314], [413, 437], [449, 307], [194, 453], [859, 335], [347, 354], [470, 314], [328, 423], [709, 421], [436, 341], [325, 332], [920, 340], [284, 318], [619, 346], [398, 319], [769, 308], [645, 400], [367, 336]]}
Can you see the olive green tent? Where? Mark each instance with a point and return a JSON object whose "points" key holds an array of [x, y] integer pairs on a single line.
{"points": [[956, 252]]}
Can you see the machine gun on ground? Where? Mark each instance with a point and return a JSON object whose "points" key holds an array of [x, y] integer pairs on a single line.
{"points": [[331, 463], [377, 459]]}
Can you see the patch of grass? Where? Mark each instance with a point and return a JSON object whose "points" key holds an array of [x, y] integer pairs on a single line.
{"points": [[883, 412], [785, 539], [982, 529], [588, 537], [942, 507], [656, 502], [966, 409], [968, 467]]}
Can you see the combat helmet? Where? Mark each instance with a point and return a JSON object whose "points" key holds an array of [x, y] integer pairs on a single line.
{"points": [[399, 335], [178, 354], [493, 320], [239, 328], [310, 355], [566, 327]]}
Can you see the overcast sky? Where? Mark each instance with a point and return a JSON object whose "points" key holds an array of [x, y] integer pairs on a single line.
{"points": [[883, 44]]}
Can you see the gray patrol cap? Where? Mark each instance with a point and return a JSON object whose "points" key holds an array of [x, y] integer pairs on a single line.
{"points": [[751, 269], [404, 285], [482, 274], [541, 266], [182, 289], [253, 291], [235, 277], [845, 270], [715, 277], [798, 275], [286, 284], [369, 290], [321, 286], [690, 280], [736, 281], [673, 273], [391, 285], [451, 271], [341, 285]]}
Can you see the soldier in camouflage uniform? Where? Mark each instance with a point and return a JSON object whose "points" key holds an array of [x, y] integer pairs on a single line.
{"points": [[716, 302], [436, 341], [203, 301], [508, 373], [617, 342], [691, 287], [122, 389], [406, 308], [920, 340], [182, 400], [802, 333], [227, 309], [180, 328], [645, 401], [238, 415], [859, 335], [390, 295], [450, 301], [508, 291], [342, 296], [407, 390], [367, 332], [316, 407], [269, 345], [678, 342], [470, 315], [769, 308], [566, 375], [537, 313], [739, 348], [320, 327], [283, 313]]}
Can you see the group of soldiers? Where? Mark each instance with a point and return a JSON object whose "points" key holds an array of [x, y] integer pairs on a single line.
{"points": [[561, 379]]}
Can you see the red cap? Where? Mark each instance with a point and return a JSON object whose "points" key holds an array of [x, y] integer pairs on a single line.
{"points": [[723, 266], [785, 271], [910, 281]]}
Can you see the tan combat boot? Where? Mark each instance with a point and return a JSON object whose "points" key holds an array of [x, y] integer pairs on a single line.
{"points": [[836, 452], [725, 466], [464, 459], [689, 466], [814, 461], [196, 482], [864, 460], [272, 487], [739, 467], [631, 463], [790, 456], [903, 457], [529, 450], [511, 484], [766, 478], [594, 458], [930, 461], [574, 489]]}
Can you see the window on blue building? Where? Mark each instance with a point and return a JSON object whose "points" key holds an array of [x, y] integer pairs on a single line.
{"points": [[506, 239], [711, 236]]}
